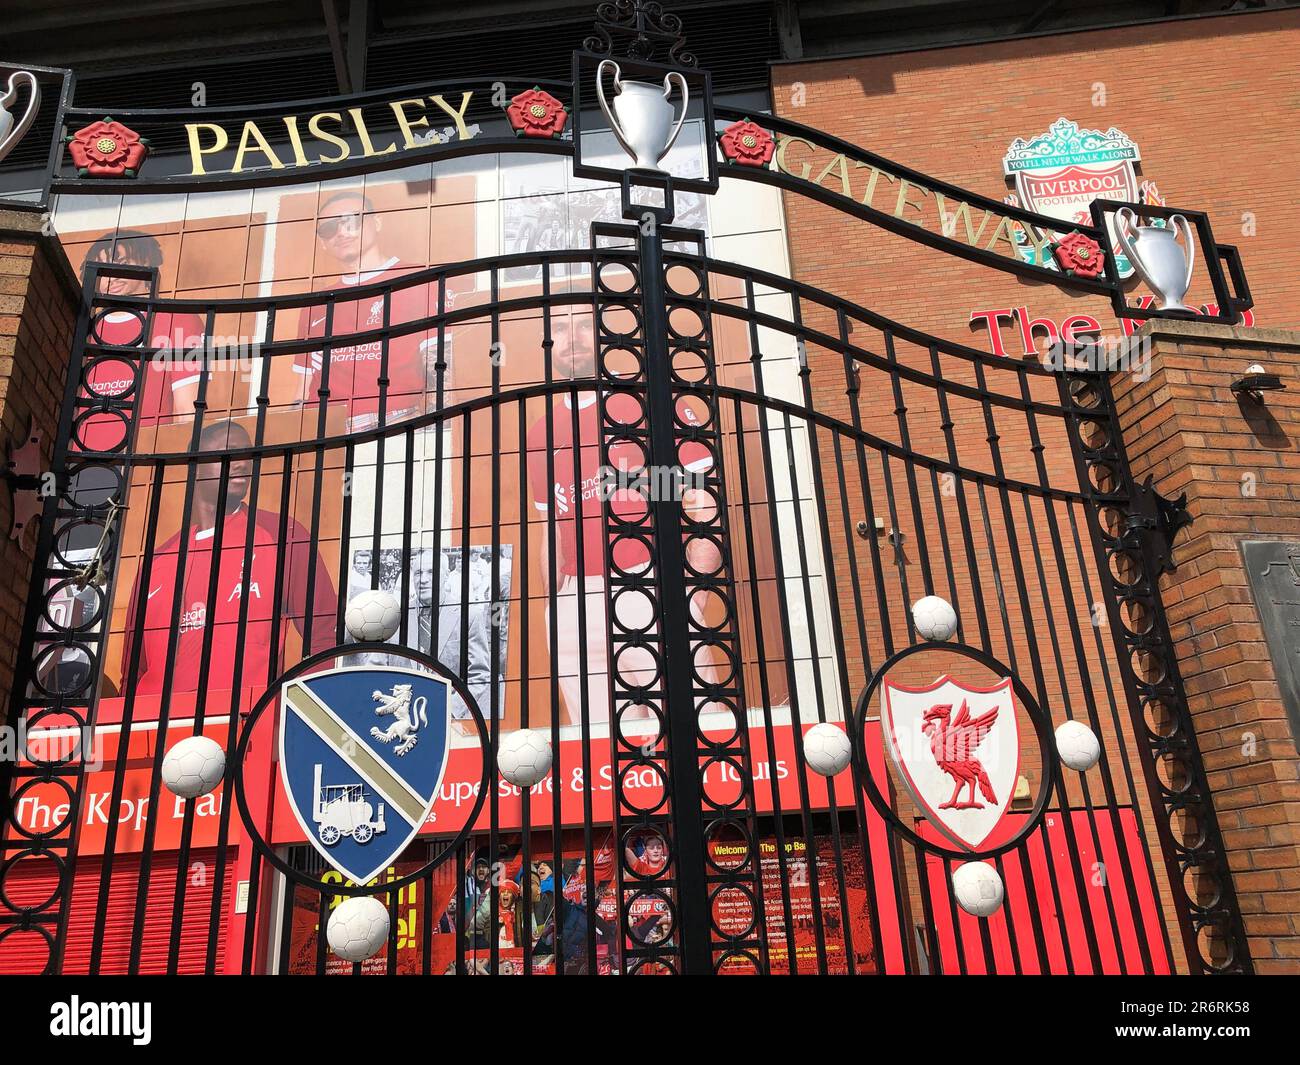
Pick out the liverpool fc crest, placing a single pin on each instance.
(1062, 170)
(957, 749)
(361, 791)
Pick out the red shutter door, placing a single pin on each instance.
(26, 953)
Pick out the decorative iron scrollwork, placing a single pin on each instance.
(644, 28)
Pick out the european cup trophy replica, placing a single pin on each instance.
(642, 115)
(11, 133)
(1160, 262)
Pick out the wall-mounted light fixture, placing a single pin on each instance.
(1256, 381)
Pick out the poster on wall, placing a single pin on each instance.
(453, 612)
(526, 907)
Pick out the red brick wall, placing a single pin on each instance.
(38, 302)
(1236, 462)
(1211, 103)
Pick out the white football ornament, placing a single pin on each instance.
(193, 766)
(934, 618)
(373, 616)
(1078, 746)
(978, 888)
(827, 749)
(524, 757)
(357, 928)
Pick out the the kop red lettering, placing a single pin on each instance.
(1038, 334)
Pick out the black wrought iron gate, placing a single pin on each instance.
(708, 516)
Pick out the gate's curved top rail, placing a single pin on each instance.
(927, 185)
(794, 324)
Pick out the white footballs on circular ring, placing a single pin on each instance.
(977, 888)
(357, 928)
(1078, 746)
(934, 618)
(827, 749)
(193, 766)
(373, 616)
(524, 757)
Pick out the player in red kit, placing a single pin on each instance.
(274, 541)
(557, 485)
(171, 375)
(350, 233)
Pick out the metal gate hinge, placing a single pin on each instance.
(1156, 521)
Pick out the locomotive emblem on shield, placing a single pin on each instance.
(362, 754)
(957, 749)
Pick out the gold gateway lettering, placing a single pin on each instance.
(319, 138)
(903, 198)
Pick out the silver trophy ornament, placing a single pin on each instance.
(642, 116)
(11, 133)
(1159, 261)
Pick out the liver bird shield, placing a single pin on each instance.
(957, 749)
(362, 754)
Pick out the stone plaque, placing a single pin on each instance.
(1273, 567)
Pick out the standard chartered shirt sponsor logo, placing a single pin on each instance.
(193, 619)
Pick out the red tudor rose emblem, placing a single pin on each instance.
(1079, 255)
(536, 113)
(747, 144)
(107, 149)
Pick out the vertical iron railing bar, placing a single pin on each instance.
(819, 695)
(127, 721)
(406, 555)
(1125, 762)
(232, 727)
(1009, 921)
(494, 651)
(263, 401)
(1062, 791)
(205, 659)
(318, 483)
(723, 584)
(947, 425)
(860, 808)
(1040, 680)
(1000, 586)
(322, 922)
(275, 656)
(164, 707)
(426, 913)
(851, 387)
(787, 650)
(552, 635)
(905, 439)
(760, 652)
(390, 958)
(251, 917)
(380, 444)
(465, 873)
(462, 670)
(520, 588)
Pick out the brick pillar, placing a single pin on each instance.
(39, 295)
(1239, 463)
